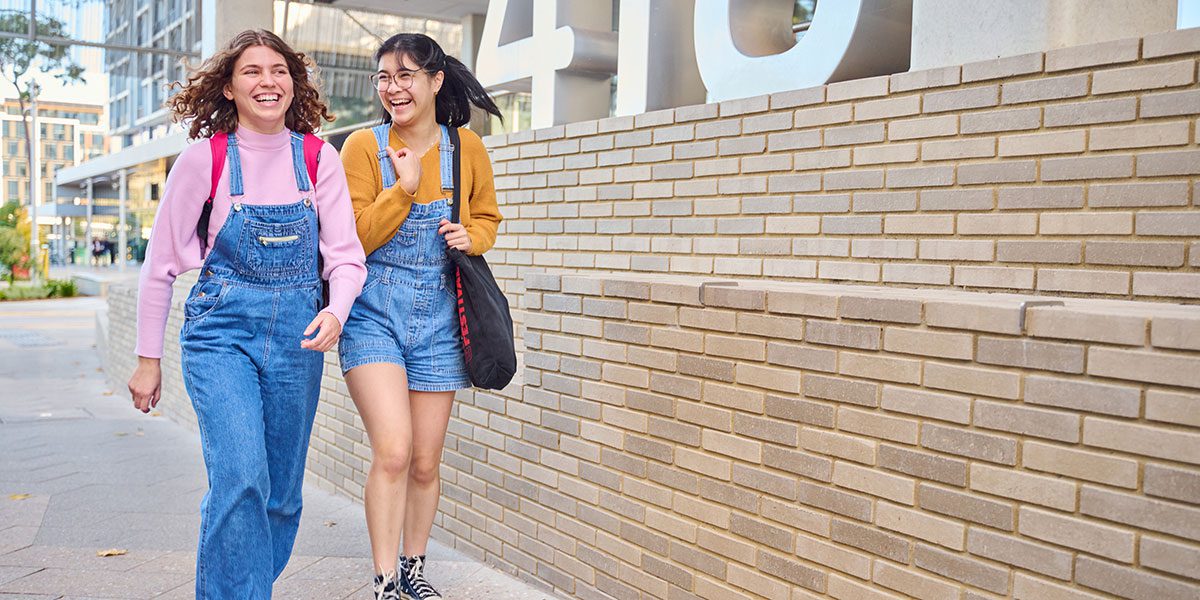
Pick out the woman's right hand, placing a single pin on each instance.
(408, 169)
(146, 384)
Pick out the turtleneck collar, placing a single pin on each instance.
(263, 141)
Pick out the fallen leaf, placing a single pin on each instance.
(112, 552)
(330, 523)
(108, 393)
(140, 433)
(156, 413)
(18, 496)
(121, 434)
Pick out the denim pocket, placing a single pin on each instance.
(275, 249)
(203, 299)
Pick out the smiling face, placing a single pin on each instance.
(261, 88)
(415, 104)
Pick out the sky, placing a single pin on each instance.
(86, 22)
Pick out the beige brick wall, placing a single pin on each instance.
(1070, 173)
(780, 434)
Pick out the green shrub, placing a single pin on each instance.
(61, 288)
(24, 292)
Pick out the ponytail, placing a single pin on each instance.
(460, 90)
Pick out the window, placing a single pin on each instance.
(69, 153)
(14, 190)
(13, 148)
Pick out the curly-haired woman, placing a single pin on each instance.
(254, 326)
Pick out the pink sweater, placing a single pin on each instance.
(174, 247)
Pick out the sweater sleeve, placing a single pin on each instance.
(376, 213)
(485, 214)
(345, 264)
(174, 247)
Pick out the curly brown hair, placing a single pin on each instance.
(201, 101)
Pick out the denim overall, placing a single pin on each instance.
(407, 312)
(252, 385)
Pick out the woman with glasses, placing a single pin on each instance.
(401, 350)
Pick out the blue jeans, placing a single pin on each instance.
(406, 314)
(255, 392)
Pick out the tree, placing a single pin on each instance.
(39, 51)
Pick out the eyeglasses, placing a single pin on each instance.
(402, 79)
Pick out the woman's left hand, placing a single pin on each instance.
(456, 235)
(328, 329)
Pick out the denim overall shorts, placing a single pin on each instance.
(406, 314)
(253, 387)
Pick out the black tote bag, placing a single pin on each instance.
(483, 316)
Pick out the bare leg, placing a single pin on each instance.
(380, 391)
(430, 417)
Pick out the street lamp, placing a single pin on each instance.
(35, 179)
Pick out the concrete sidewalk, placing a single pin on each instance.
(82, 472)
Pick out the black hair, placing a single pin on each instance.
(459, 90)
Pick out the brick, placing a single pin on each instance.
(908, 129)
(870, 540)
(1002, 121)
(1170, 43)
(921, 177)
(885, 154)
(1085, 282)
(1071, 532)
(1048, 88)
(884, 249)
(917, 274)
(998, 172)
(1170, 104)
(1144, 254)
(1089, 167)
(1172, 483)
(1175, 133)
(917, 524)
(1175, 162)
(1009, 66)
(1028, 421)
(1137, 194)
(885, 201)
(945, 407)
(1059, 196)
(969, 507)
(1144, 78)
(851, 180)
(1065, 358)
(827, 115)
(1058, 142)
(1090, 466)
(923, 465)
(928, 343)
(1091, 112)
(1092, 55)
(926, 78)
(914, 584)
(840, 389)
(1087, 396)
(962, 99)
(875, 483)
(973, 316)
(1024, 487)
(1182, 285)
(982, 446)
(1028, 588)
(822, 159)
(838, 445)
(958, 250)
(1140, 512)
(880, 367)
(802, 357)
(1171, 407)
(962, 569)
(833, 556)
(1179, 333)
(1019, 553)
(828, 498)
(1055, 322)
(1144, 366)
(1130, 583)
(854, 134)
(998, 224)
(957, 200)
(919, 224)
(789, 99)
(958, 149)
(1170, 557)
(857, 88)
(888, 108)
(877, 425)
(1142, 439)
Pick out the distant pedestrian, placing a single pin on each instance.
(255, 324)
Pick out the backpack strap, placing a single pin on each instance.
(455, 169)
(312, 156)
(446, 150)
(217, 147)
(385, 164)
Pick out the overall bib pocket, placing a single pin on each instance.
(275, 249)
